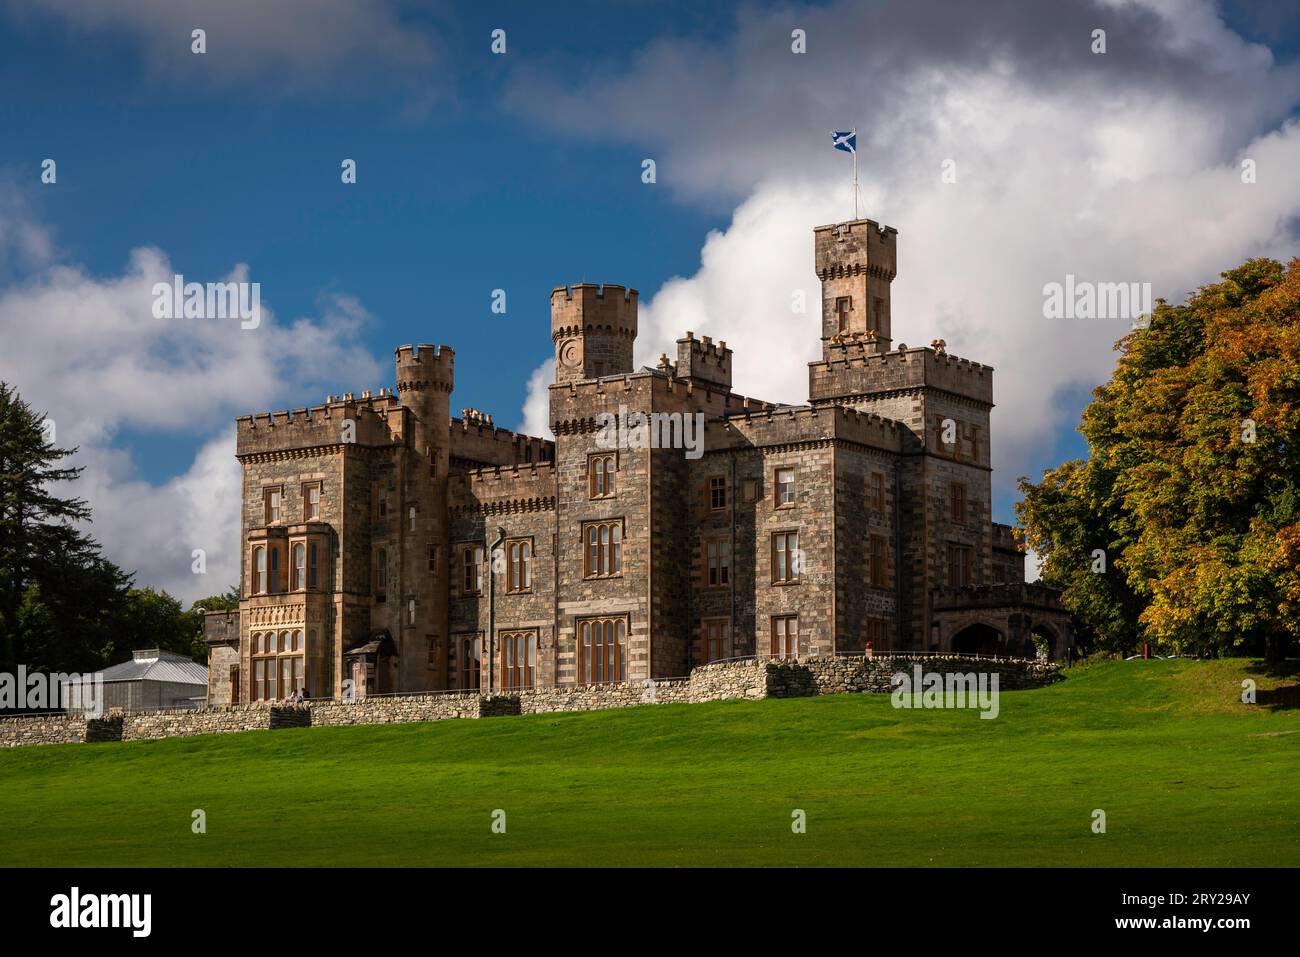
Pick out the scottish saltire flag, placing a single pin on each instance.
(847, 141)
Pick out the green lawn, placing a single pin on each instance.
(1186, 774)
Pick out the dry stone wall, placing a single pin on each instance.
(749, 679)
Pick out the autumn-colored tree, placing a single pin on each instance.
(1191, 489)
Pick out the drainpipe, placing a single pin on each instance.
(492, 605)
(731, 572)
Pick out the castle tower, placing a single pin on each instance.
(594, 330)
(856, 262)
(425, 377)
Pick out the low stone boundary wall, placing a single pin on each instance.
(401, 709)
(184, 723)
(58, 729)
(749, 679)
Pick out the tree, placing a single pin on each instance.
(1191, 483)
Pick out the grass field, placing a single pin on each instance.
(1186, 774)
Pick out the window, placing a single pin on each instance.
(715, 640)
(259, 570)
(273, 578)
(313, 565)
(471, 650)
(957, 501)
(433, 559)
(785, 557)
(877, 492)
(842, 307)
(383, 501)
(879, 563)
(299, 567)
(750, 487)
(602, 651)
(471, 580)
(381, 575)
(959, 566)
(784, 487)
(785, 636)
(717, 556)
(519, 565)
(717, 493)
(410, 611)
(410, 518)
(879, 315)
(277, 665)
(311, 502)
(273, 499)
(518, 659)
(604, 551)
(600, 475)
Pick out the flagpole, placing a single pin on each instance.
(855, 182)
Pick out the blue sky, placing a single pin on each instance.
(522, 171)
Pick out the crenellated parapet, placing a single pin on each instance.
(425, 367)
(502, 489)
(476, 442)
(575, 405)
(853, 370)
(801, 425)
(703, 361)
(367, 423)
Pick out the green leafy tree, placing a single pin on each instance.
(1191, 483)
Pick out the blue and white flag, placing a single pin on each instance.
(846, 141)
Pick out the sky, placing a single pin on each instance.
(1006, 150)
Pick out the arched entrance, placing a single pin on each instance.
(1047, 637)
(978, 639)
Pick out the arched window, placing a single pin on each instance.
(259, 570)
(602, 651)
(299, 567)
(273, 579)
(297, 641)
(381, 575)
(313, 566)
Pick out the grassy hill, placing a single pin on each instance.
(1186, 774)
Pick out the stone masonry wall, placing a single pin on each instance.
(750, 679)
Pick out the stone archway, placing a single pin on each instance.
(1047, 633)
(979, 638)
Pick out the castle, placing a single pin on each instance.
(388, 546)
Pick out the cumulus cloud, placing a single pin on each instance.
(88, 352)
(1114, 168)
(293, 44)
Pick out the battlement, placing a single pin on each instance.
(797, 424)
(479, 441)
(337, 422)
(858, 246)
(703, 360)
(574, 404)
(425, 366)
(853, 369)
(504, 488)
(587, 307)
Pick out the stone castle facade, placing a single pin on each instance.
(389, 546)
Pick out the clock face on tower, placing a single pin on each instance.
(569, 352)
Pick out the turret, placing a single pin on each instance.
(425, 376)
(704, 362)
(856, 262)
(594, 330)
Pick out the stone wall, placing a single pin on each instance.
(749, 679)
(148, 725)
(58, 729)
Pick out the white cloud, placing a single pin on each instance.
(1124, 168)
(87, 352)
